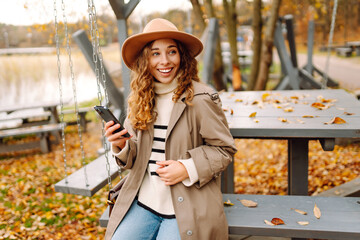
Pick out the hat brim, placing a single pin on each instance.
(134, 44)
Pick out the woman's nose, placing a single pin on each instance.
(164, 59)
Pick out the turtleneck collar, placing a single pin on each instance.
(164, 88)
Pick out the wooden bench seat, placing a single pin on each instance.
(97, 178)
(340, 216)
(42, 131)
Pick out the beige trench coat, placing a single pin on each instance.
(201, 132)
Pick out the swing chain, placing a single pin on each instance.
(60, 92)
(332, 26)
(94, 32)
(72, 75)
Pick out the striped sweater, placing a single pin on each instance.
(154, 195)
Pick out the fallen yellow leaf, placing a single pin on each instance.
(317, 212)
(264, 96)
(299, 211)
(228, 203)
(269, 223)
(248, 203)
(252, 114)
(288, 109)
(283, 119)
(303, 223)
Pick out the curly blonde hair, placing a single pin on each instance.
(141, 100)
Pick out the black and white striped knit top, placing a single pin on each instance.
(154, 195)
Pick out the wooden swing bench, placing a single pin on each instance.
(98, 177)
(340, 216)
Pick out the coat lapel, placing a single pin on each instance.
(178, 109)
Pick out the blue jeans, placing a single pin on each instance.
(140, 223)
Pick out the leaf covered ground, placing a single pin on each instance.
(31, 209)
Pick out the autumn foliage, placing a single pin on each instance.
(31, 209)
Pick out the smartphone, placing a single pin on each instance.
(107, 115)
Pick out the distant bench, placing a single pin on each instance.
(82, 116)
(340, 216)
(42, 131)
(344, 51)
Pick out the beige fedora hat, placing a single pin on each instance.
(158, 29)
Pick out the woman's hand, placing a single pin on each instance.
(171, 172)
(116, 139)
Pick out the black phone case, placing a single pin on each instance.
(107, 115)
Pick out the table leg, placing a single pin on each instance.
(298, 163)
(227, 179)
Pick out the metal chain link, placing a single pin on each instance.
(98, 56)
(60, 92)
(332, 26)
(68, 49)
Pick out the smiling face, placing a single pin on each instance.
(164, 62)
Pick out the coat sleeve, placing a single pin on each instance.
(218, 147)
(126, 159)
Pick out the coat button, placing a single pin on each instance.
(180, 199)
(189, 232)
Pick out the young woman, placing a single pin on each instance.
(180, 143)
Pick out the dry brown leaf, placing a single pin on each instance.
(289, 109)
(248, 203)
(328, 100)
(336, 120)
(283, 119)
(228, 203)
(238, 100)
(303, 223)
(255, 102)
(349, 114)
(294, 97)
(318, 105)
(317, 212)
(277, 221)
(231, 111)
(252, 114)
(256, 120)
(269, 223)
(300, 121)
(308, 116)
(299, 211)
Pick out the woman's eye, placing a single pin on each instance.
(173, 52)
(155, 54)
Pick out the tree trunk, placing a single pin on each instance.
(230, 20)
(218, 74)
(218, 71)
(198, 14)
(256, 26)
(267, 48)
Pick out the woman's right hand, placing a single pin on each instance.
(116, 139)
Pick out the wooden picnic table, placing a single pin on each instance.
(48, 106)
(354, 45)
(288, 114)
